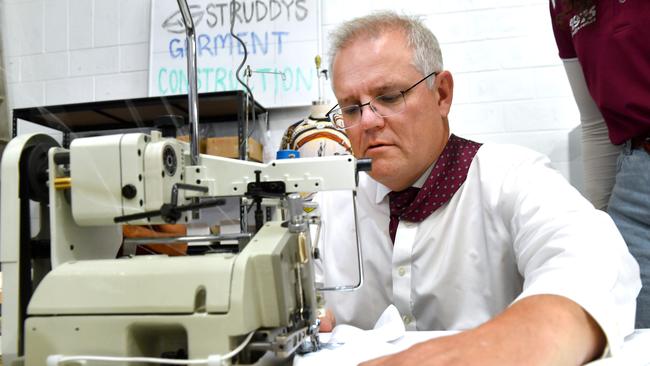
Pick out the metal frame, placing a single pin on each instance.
(231, 101)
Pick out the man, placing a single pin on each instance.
(493, 242)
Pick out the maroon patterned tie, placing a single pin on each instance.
(398, 202)
(447, 175)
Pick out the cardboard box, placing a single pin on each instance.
(186, 138)
(229, 147)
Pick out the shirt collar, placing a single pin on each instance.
(383, 191)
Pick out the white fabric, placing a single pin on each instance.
(348, 345)
(389, 327)
(633, 353)
(515, 228)
(598, 153)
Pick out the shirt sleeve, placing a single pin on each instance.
(564, 246)
(561, 30)
(598, 153)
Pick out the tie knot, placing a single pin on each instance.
(400, 201)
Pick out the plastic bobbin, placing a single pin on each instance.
(287, 154)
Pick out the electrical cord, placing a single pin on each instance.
(241, 65)
(212, 360)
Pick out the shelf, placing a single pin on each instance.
(134, 113)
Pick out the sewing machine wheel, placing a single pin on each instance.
(170, 161)
(34, 169)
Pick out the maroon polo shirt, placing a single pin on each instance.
(612, 42)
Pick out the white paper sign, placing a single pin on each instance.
(281, 37)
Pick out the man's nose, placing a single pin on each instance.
(369, 119)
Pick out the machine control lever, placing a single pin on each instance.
(168, 211)
(363, 165)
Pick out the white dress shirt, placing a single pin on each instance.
(515, 228)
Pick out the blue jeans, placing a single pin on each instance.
(629, 207)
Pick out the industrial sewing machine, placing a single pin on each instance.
(90, 303)
(70, 301)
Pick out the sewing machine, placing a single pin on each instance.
(69, 300)
(77, 298)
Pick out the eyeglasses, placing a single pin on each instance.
(384, 105)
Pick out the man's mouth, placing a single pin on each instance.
(377, 147)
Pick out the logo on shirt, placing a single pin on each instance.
(582, 19)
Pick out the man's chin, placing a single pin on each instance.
(381, 172)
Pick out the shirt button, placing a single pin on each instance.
(407, 319)
(401, 271)
(409, 224)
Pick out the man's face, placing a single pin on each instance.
(404, 145)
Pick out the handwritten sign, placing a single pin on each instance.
(281, 37)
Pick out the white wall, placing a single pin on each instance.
(510, 85)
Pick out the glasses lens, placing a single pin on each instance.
(338, 120)
(346, 117)
(388, 104)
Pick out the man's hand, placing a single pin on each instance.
(538, 330)
(327, 321)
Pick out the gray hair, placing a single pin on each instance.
(427, 56)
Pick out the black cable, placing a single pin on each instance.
(241, 65)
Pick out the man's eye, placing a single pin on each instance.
(389, 98)
(348, 111)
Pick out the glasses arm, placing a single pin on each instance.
(418, 83)
(331, 110)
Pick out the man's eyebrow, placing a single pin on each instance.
(375, 91)
(348, 101)
(390, 87)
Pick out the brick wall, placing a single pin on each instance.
(69, 51)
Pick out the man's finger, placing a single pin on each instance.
(327, 321)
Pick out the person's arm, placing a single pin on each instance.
(579, 280)
(537, 330)
(598, 153)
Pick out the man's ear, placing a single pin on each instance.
(445, 92)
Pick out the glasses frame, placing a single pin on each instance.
(369, 103)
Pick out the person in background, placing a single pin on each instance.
(605, 48)
(459, 235)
